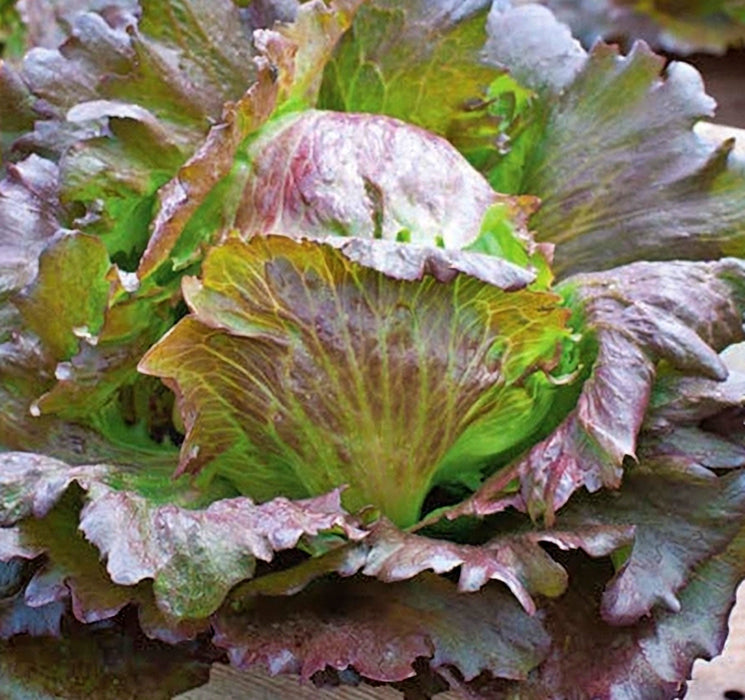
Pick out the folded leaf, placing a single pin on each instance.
(340, 174)
(634, 317)
(517, 559)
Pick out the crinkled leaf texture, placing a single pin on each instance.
(401, 356)
(380, 629)
(289, 370)
(193, 551)
(28, 219)
(133, 90)
(517, 559)
(620, 180)
(639, 619)
(692, 27)
(669, 599)
(633, 317)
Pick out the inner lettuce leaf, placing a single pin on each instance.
(635, 318)
(290, 368)
(619, 180)
(353, 175)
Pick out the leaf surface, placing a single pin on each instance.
(289, 369)
(381, 629)
(635, 316)
(618, 181)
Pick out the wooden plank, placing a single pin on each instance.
(725, 673)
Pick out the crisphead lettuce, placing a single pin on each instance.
(286, 377)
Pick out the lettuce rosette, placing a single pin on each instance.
(365, 341)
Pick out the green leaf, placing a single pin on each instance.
(633, 318)
(74, 267)
(289, 372)
(397, 59)
(422, 62)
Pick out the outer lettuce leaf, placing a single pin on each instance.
(71, 575)
(193, 552)
(635, 316)
(288, 372)
(651, 659)
(17, 569)
(16, 116)
(28, 219)
(688, 27)
(677, 585)
(127, 99)
(619, 180)
(46, 23)
(517, 558)
(381, 629)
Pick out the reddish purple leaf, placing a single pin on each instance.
(381, 629)
(637, 315)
